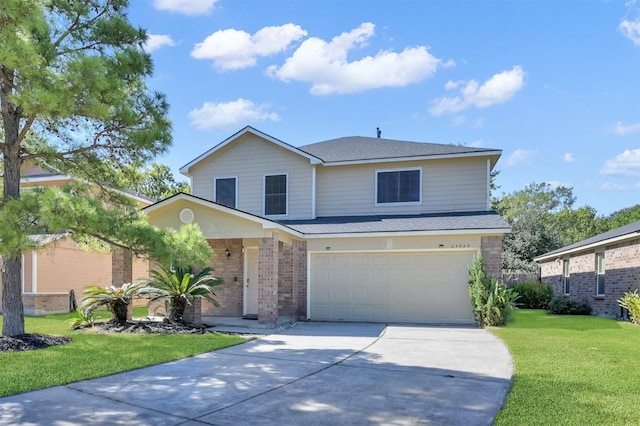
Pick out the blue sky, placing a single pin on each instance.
(554, 84)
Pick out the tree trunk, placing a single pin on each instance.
(178, 305)
(12, 308)
(119, 311)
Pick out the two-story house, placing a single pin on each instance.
(350, 229)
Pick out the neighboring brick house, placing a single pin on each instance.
(598, 270)
(61, 265)
(350, 229)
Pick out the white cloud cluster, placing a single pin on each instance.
(521, 156)
(235, 49)
(156, 41)
(186, 7)
(608, 186)
(326, 66)
(569, 157)
(625, 164)
(229, 115)
(630, 25)
(497, 90)
(624, 129)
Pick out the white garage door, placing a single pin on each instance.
(424, 287)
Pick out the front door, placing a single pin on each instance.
(251, 282)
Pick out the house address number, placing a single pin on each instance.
(460, 245)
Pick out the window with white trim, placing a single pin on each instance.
(398, 186)
(567, 277)
(275, 195)
(226, 191)
(600, 271)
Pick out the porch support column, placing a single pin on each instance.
(491, 248)
(300, 278)
(122, 271)
(268, 280)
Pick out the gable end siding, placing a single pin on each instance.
(250, 158)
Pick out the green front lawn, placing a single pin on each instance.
(93, 355)
(571, 370)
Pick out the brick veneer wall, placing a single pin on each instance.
(491, 248)
(231, 270)
(285, 280)
(268, 267)
(45, 303)
(122, 272)
(622, 274)
(299, 272)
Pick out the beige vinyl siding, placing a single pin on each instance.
(448, 185)
(250, 158)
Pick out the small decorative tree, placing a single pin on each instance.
(117, 299)
(179, 288)
(631, 302)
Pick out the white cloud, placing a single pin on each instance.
(497, 90)
(477, 144)
(624, 129)
(326, 65)
(521, 156)
(186, 7)
(569, 157)
(235, 49)
(156, 41)
(229, 115)
(630, 25)
(625, 164)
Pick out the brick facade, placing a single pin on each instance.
(268, 273)
(231, 270)
(45, 303)
(622, 274)
(491, 248)
(122, 273)
(299, 273)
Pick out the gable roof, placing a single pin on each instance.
(186, 169)
(631, 230)
(357, 150)
(360, 149)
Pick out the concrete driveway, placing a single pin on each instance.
(313, 373)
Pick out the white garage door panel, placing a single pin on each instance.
(391, 287)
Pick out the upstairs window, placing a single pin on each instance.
(398, 186)
(275, 195)
(225, 191)
(600, 274)
(567, 277)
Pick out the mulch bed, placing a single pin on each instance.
(29, 342)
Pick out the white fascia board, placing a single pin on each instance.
(588, 247)
(416, 158)
(266, 223)
(498, 231)
(185, 169)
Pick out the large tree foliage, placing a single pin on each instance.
(156, 181)
(542, 218)
(73, 96)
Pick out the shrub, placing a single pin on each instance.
(492, 302)
(179, 288)
(83, 318)
(533, 295)
(117, 299)
(562, 305)
(631, 302)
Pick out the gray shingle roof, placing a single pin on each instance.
(400, 223)
(359, 148)
(600, 238)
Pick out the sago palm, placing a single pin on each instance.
(180, 288)
(117, 299)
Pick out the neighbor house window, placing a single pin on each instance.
(600, 274)
(275, 195)
(226, 191)
(398, 186)
(567, 277)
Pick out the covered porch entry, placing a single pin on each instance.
(262, 263)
